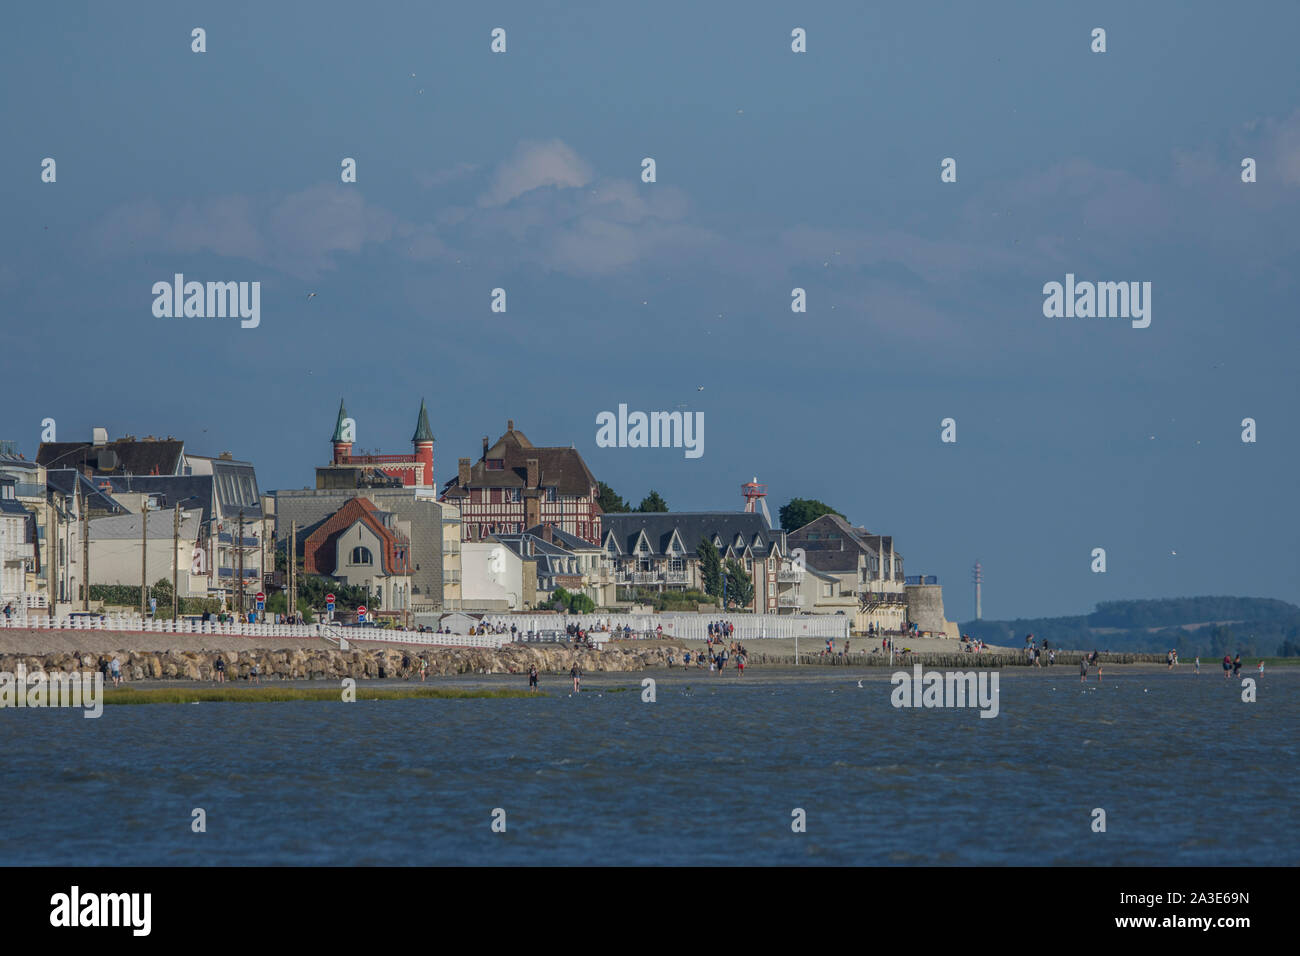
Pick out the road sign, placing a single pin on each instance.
(260, 597)
(329, 599)
(361, 613)
(261, 605)
(330, 607)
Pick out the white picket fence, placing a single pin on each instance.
(684, 626)
(123, 622)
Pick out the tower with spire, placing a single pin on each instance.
(342, 437)
(423, 442)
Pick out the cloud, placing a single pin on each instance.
(534, 165)
(442, 177)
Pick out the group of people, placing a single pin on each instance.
(717, 652)
(1036, 653)
(412, 666)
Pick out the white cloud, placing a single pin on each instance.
(534, 165)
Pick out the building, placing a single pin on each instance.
(116, 545)
(17, 546)
(363, 546)
(865, 565)
(659, 551)
(562, 560)
(349, 471)
(515, 485)
(123, 456)
(494, 577)
(433, 528)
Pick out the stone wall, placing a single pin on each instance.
(297, 663)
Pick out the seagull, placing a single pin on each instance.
(859, 682)
(700, 389)
(1173, 552)
(310, 294)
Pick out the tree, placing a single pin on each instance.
(710, 568)
(609, 500)
(800, 511)
(580, 603)
(740, 586)
(652, 503)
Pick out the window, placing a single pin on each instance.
(362, 556)
(552, 495)
(496, 464)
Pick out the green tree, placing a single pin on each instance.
(799, 511)
(740, 586)
(710, 568)
(652, 503)
(609, 500)
(580, 603)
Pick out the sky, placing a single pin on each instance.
(775, 170)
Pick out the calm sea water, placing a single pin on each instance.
(708, 774)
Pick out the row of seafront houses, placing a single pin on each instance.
(502, 535)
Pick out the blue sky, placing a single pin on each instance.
(775, 170)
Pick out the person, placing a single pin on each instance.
(1051, 656)
(221, 670)
(1196, 665)
(1227, 666)
(9, 611)
(1083, 670)
(740, 665)
(1261, 668)
(1236, 665)
(255, 675)
(577, 678)
(116, 667)
(406, 665)
(532, 677)
(686, 659)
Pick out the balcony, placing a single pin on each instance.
(789, 577)
(646, 577)
(789, 599)
(676, 577)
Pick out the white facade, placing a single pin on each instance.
(115, 547)
(492, 577)
(359, 561)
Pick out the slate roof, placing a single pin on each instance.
(151, 456)
(565, 540)
(561, 468)
(338, 424)
(170, 489)
(69, 481)
(624, 529)
(127, 527)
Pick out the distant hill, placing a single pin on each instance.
(1209, 626)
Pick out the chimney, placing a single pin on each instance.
(547, 534)
(510, 424)
(532, 473)
(532, 511)
(462, 467)
(485, 446)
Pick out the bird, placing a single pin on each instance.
(1173, 552)
(310, 294)
(700, 389)
(859, 682)
(419, 91)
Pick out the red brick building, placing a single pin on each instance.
(516, 485)
(360, 471)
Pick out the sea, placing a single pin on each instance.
(778, 767)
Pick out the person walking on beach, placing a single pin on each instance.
(1083, 670)
(1196, 666)
(577, 678)
(424, 668)
(740, 665)
(1236, 665)
(532, 677)
(221, 670)
(116, 667)
(1227, 666)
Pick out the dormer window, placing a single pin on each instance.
(496, 464)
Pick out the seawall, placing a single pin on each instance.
(326, 663)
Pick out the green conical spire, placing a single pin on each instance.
(338, 425)
(422, 430)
